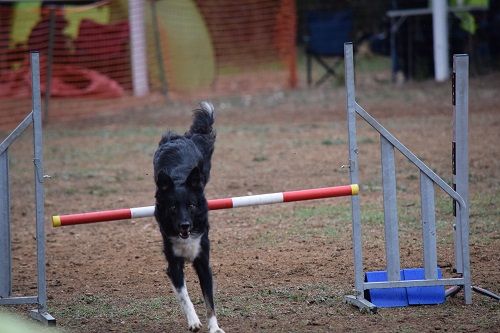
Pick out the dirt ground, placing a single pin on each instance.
(278, 268)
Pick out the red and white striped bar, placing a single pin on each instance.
(215, 204)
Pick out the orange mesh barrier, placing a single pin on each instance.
(252, 34)
(89, 57)
(207, 48)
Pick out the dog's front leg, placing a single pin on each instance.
(202, 267)
(176, 274)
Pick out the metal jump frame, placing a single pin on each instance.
(427, 181)
(35, 118)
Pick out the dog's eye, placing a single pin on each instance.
(192, 206)
(172, 209)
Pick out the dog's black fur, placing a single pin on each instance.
(182, 169)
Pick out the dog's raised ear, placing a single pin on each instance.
(195, 178)
(164, 182)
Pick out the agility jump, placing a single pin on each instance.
(215, 204)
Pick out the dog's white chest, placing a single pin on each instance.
(186, 248)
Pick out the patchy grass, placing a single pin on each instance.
(334, 142)
(103, 307)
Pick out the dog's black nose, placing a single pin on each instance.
(185, 226)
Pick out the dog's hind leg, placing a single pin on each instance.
(176, 275)
(202, 267)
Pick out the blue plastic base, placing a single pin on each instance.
(399, 297)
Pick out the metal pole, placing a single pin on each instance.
(358, 299)
(5, 245)
(460, 137)
(353, 168)
(390, 210)
(459, 159)
(41, 312)
(428, 215)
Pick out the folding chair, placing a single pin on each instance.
(326, 34)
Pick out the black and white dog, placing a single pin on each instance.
(181, 169)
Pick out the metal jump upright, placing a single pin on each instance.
(35, 118)
(428, 179)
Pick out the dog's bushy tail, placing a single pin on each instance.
(203, 119)
(203, 134)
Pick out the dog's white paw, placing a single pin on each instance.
(195, 327)
(217, 330)
(213, 326)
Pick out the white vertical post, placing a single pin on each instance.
(138, 47)
(440, 34)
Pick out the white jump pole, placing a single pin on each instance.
(226, 203)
